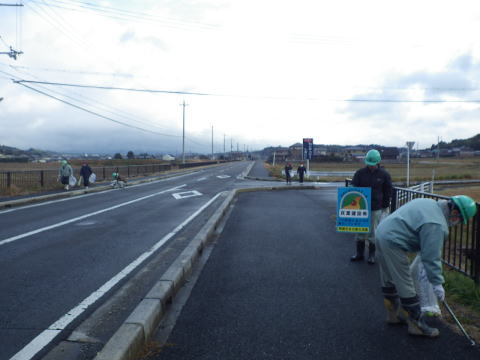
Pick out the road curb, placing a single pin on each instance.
(170, 282)
(127, 341)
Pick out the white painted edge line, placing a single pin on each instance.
(33, 232)
(98, 192)
(46, 336)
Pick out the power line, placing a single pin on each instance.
(96, 104)
(94, 113)
(127, 15)
(244, 96)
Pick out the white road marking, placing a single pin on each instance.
(201, 179)
(223, 176)
(46, 336)
(33, 232)
(96, 193)
(186, 194)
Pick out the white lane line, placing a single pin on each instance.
(33, 232)
(96, 193)
(46, 336)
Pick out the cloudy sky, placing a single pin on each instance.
(260, 72)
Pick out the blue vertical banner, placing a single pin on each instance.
(307, 148)
(354, 209)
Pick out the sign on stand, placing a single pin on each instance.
(354, 209)
(307, 148)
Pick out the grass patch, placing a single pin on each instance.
(462, 289)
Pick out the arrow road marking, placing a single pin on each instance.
(186, 194)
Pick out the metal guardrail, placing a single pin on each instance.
(47, 179)
(461, 250)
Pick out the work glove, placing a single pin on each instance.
(439, 292)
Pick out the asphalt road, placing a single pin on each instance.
(61, 259)
(279, 285)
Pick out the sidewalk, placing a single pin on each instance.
(279, 285)
(258, 172)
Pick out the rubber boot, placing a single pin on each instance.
(417, 325)
(371, 254)
(391, 301)
(360, 250)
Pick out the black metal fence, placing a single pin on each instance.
(47, 179)
(461, 250)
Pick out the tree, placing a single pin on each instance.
(117, 156)
(130, 155)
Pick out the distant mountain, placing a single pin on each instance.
(8, 151)
(473, 143)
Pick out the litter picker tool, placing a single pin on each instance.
(472, 342)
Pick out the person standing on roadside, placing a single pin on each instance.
(64, 174)
(419, 226)
(380, 183)
(85, 173)
(288, 175)
(301, 171)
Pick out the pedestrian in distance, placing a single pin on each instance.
(420, 226)
(85, 173)
(301, 171)
(118, 181)
(288, 175)
(64, 174)
(380, 183)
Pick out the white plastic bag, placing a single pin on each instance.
(92, 178)
(423, 287)
(72, 181)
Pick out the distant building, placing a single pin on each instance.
(168, 157)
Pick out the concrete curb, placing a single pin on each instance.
(140, 325)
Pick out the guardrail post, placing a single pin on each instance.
(128, 170)
(104, 173)
(42, 178)
(476, 247)
(393, 203)
(9, 179)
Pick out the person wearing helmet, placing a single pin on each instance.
(380, 182)
(419, 226)
(64, 173)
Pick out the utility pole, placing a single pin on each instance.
(183, 137)
(223, 146)
(12, 53)
(409, 148)
(212, 142)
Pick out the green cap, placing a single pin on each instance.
(466, 205)
(373, 157)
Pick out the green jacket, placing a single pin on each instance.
(65, 170)
(419, 226)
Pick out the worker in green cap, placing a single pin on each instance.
(419, 226)
(379, 181)
(64, 173)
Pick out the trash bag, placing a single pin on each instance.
(424, 289)
(92, 178)
(72, 181)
